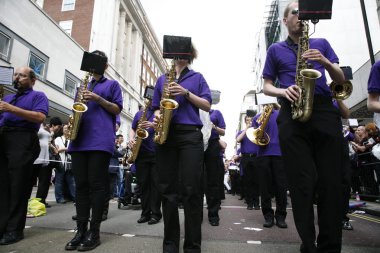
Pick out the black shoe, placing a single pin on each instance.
(257, 207)
(143, 219)
(11, 237)
(104, 217)
(241, 198)
(79, 236)
(61, 201)
(214, 223)
(153, 221)
(91, 239)
(281, 223)
(269, 222)
(249, 207)
(74, 217)
(346, 225)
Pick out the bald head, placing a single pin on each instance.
(24, 78)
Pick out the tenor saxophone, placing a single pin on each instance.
(141, 134)
(79, 107)
(302, 108)
(167, 105)
(258, 135)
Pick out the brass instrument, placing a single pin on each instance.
(141, 134)
(79, 107)
(167, 105)
(258, 135)
(341, 91)
(302, 108)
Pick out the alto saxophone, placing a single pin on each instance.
(258, 135)
(167, 105)
(302, 108)
(141, 134)
(79, 107)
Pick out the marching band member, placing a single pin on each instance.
(312, 150)
(250, 182)
(373, 102)
(146, 169)
(91, 153)
(271, 173)
(213, 168)
(21, 115)
(181, 156)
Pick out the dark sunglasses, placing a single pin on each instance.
(295, 11)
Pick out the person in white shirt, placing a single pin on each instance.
(63, 174)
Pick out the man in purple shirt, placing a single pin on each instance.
(91, 153)
(214, 168)
(271, 173)
(146, 168)
(180, 158)
(250, 182)
(21, 115)
(312, 150)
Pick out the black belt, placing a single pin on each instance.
(248, 155)
(181, 127)
(17, 129)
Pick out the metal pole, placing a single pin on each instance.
(368, 35)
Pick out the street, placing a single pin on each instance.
(240, 231)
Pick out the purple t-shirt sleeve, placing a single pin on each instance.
(135, 120)
(204, 90)
(270, 70)
(254, 121)
(41, 103)
(116, 96)
(158, 92)
(374, 79)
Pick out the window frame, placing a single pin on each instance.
(66, 22)
(63, 6)
(39, 76)
(8, 53)
(75, 80)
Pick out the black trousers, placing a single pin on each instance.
(43, 174)
(346, 184)
(213, 185)
(312, 154)
(90, 170)
(181, 157)
(18, 151)
(272, 183)
(251, 180)
(147, 178)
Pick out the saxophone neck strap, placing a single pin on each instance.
(293, 46)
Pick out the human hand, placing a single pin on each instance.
(292, 93)
(314, 55)
(176, 89)
(88, 95)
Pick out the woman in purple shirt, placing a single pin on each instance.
(180, 158)
(373, 102)
(311, 151)
(91, 153)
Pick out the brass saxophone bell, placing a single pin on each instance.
(341, 91)
(257, 136)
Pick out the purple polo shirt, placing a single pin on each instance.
(273, 147)
(374, 79)
(187, 113)
(217, 119)
(281, 63)
(30, 100)
(118, 119)
(247, 146)
(97, 128)
(147, 144)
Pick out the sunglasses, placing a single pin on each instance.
(295, 11)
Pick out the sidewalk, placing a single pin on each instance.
(372, 208)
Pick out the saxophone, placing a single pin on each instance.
(78, 108)
(302, 108)
(258, 135)
(141, 134)
(167, 105)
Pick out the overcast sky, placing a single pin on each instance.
(224, 33)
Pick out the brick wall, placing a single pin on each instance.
(81, 16)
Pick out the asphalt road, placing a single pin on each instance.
(240, 231)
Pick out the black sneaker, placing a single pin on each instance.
(346, 225)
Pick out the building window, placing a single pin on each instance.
(67, 26)
(68, 5)
(37, 64)
(5, 42)
(71, 83)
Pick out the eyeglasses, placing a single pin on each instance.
(295, 11)
(20, 75)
